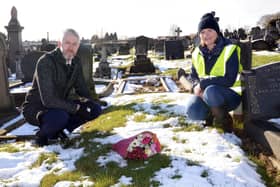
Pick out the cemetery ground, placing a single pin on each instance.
(191, 155)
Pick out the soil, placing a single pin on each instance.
(262, 155)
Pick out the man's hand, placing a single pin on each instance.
(84, 111)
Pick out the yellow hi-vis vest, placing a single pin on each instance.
(219, 68)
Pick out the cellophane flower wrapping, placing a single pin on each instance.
(138, 147)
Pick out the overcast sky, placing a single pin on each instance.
(128, 17)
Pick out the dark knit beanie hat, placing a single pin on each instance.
(208, 21)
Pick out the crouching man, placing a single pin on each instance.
(47, 104)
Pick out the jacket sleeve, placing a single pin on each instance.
(44, 76)
(229, 78)
(81, 87)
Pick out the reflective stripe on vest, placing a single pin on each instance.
(219, 68)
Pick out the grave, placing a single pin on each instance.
(15, 50)
(142, 63)
(174, 49)
(103, 70)
(124, 49)
(7, 107)
(85, 53)
(159, 46)
(261, 90)
(28, 65)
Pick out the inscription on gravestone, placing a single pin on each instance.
(262, 92)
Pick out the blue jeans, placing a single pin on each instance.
(213, 96)
(56, 120)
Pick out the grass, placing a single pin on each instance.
(140, 171)
(48, 158)
(258, 60)
(8, 148)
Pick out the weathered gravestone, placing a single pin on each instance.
(124, 49)
(103, 70)
(15, 50)
(159, 46)
(6, 102)
(142, 64)
(261, 102)
(85, 53)
(174, 49)
(28, 65)
(260, 44)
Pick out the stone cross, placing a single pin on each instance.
(178, 30)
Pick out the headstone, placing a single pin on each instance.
(85, 54)
(103, 70)
(261, 90)
(142, 64)
(174, 49)
(260, 45)
(141, 45)
(178, 31)
(14, 40)
(124, 49)
(28, 65)
(159, 46)
(245, 53)
(6, 102)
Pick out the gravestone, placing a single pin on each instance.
(159, 46)
(142, 64)
(103, 70)
(85, 54)
(261, 102)
(15, 50)
(28, 65)
(124, 49)
(174, 49)
(178, 31)
(141, 45)
(245, 53)
(260, 45)
(6, 102)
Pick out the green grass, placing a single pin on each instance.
(114, 116)
(140, 171)
(48, 158)
(8, 148)
(258, 60)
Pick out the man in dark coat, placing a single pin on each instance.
(48, 103)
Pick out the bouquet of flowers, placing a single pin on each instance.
(138, 147)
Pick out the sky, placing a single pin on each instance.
(129, 18)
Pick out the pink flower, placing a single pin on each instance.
(146, 140)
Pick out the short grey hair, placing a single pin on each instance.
(71, 31)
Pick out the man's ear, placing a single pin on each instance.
(59, 44)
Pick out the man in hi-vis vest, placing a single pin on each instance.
(214, 75)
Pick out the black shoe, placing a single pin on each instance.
(41, 140)
(62, 135)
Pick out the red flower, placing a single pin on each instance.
(146, 140)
